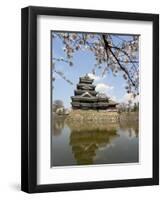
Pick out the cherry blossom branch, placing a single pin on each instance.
(108, 47)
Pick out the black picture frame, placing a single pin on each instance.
(29, 99)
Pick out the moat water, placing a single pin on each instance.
(87, 143)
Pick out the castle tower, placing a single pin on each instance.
(86, 97)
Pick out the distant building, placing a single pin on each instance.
(86, 97)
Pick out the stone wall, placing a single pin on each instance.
(91, 115)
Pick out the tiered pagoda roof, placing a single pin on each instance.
(86, 97)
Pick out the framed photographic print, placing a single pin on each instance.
(90, 99)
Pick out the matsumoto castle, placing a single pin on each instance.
(85, 97)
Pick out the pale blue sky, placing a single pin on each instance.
(83, 63)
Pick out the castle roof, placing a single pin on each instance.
(86, 79)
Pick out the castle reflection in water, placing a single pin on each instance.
(87, 143)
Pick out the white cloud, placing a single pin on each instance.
(114, 98)
(95, 77)
(103, 88)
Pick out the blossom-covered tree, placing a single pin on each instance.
(113, 53)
